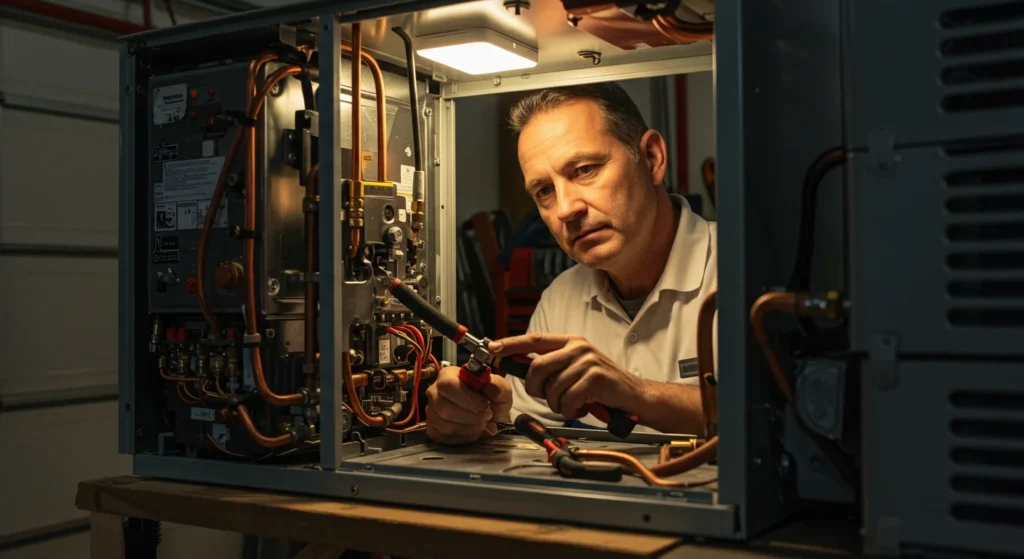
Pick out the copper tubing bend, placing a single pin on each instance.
(683, 31)
(267, 442)
(353, 398)
(382, 129)
(796, 304)
(638, 467)
(249, 249)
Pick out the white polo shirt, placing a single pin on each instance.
(660, 344)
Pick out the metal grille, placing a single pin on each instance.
(984, 206)
(988, 456)
(984, 57)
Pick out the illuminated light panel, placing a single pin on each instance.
(477, 51)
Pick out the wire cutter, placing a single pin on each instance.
(560, 453)
(476, 372)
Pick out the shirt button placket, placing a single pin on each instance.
(633, 337)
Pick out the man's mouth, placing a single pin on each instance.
(583, 236)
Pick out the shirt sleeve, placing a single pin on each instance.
(523, 402)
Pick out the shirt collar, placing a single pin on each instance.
(687, 261)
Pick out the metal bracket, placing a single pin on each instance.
(883, 349)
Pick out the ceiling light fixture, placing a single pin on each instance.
(476, 51)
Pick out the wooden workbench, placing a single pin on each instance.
(331, 526)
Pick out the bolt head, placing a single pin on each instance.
(273, 286)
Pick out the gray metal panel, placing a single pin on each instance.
(913, 278)
(536, 503)
(777, 74)
(897, 60)
(332, 331)
(941, 469)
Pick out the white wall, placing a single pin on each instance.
(58, 277)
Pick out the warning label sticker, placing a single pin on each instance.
(165, 248)
(169, 103)
(189, 180)
(183, 216)
(165, 217)
(405, 187)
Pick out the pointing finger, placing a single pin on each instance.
(529, 343)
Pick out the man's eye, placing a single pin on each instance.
(585, 170)
(542, 192)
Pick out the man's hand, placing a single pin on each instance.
(570, 373)
(458, 415)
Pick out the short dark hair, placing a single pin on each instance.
(622, 117)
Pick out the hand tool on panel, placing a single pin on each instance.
(560, 453)
(476, 372)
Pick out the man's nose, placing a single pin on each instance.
(570, 205)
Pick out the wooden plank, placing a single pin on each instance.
(106, 538)
(403, 532)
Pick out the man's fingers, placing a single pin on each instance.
(546, 366)
(560, 383)
(450, 412)
(447, 432)
(575, 399)
(529, 343)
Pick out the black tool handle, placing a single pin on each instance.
(427, 313)
(560, 457)
(620, 423)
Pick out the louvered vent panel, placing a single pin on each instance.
(984, 205)
(984, 69)
(987, 480)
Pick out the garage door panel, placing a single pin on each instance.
(58, 181)
(60, 323)
(47, 452)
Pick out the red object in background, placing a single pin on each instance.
(191, 285)
(71, 15)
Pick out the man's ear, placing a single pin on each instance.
(655, 154)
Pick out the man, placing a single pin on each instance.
(620, 327)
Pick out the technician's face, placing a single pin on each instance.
(596, 200)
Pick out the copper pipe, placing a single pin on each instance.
(249, 248)
(635, 465)
(796, 304)
(664, 453)
(706, 362)
(267, 442)
(360, 380)
(180, 380)
(311, 288)
(353, 398)
(382, 129)
(683, 31)
(704, 454)
(241, 136)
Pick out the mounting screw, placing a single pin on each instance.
(355, 490)
(591, 55)
(437, 300)
(428, 112)
(127, 90)
(291, 136)
(273, 286)
(497, 81)
(233, 179)
(437, 163)
(271, 334)
(291, 158)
